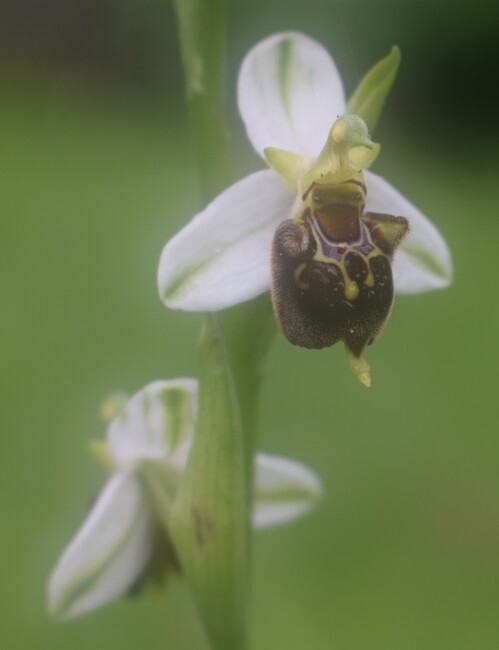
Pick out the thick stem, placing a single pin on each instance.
(249, 330)
(219, 480)
(211, 520)
(202, 33)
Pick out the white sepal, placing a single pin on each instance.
(289, 94)
(222, 257)
(108, 554)
(156, 424)
(284, 490)
(423, 261)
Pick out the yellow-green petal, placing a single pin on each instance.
(370, 95)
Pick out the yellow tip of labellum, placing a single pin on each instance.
(361, 369)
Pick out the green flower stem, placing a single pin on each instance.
(202, 35)
(209, 523)
(211, 517)
(249, 330)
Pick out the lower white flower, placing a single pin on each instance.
(113, 547)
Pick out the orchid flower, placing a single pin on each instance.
(154, 431)
(289, 95)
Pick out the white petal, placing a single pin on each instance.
(156, 424)
(222, 257)
(284, 490)
(423, 261)
(108, 554)
(289, 94)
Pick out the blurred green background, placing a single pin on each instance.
(97, 173)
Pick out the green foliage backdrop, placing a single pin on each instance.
(96, 175)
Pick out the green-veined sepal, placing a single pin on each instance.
(289, 93)
(107, 555)
(157, 423)
(423, 261)
(284, 490)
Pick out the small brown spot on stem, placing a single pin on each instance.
(203, 526)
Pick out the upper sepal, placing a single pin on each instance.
(289, 93)
(157, 423)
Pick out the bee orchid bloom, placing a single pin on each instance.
(289, 96)
(112, 550)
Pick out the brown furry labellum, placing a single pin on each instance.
(331, 269)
